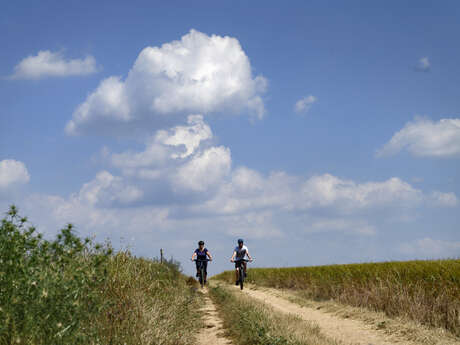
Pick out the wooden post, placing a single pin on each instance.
(161, 255)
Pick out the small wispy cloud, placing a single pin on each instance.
(423, 65)
(52, 64)
(343, 225)
(426, 138)
(431, 248)
(303, 105)
(13, 172)
(444, 199)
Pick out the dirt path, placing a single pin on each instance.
(346, 331)
(213, 332)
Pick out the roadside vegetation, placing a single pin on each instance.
(73, 291)
(251, 322)
(424, 291)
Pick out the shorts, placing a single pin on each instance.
(205, 265)
(238, 263)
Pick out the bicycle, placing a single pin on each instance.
(201, 271)
(241, 272)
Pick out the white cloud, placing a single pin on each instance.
(106, 189)
(189, 136)
(109, 101)
(53, 64)
(342, 225)
(248, 190)
(246, 181)
(431, 248)
(179, 158)
(257, 225)
(303, 105)
(165, 151)
(183, 172)
(329, 190)
(198, 74)
(444, 199)
(423, 64)
(180, 180)
(423, 137)
(204, 170)
(103, 218)
(154, 155)
(13, 172)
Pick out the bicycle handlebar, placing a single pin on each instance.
(201, 260)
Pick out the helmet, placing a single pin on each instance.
(200, 243)
(240, 240)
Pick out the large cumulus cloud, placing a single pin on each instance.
(199, 73)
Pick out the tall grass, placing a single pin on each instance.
(424, 291)
(74, 291)
(147, 303)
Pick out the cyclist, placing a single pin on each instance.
(239, 253)
(201, 253)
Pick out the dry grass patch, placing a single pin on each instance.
(398, 327)
(149, 303)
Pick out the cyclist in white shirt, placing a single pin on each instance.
(239, 253)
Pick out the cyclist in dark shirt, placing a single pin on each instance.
(201, 253)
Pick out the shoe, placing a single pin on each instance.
(236, 283)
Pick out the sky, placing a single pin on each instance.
(320, 132)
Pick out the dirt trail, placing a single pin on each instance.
(346, 331)
(213, 331)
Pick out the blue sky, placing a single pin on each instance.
(166, 123)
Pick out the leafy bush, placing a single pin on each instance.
(48, 289)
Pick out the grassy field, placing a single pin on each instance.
(425, 291)
(73, 291)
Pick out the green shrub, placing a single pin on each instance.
(48, 289)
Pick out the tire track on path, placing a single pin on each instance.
(213, 331)
(346, 331)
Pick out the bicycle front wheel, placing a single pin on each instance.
(202, 277)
